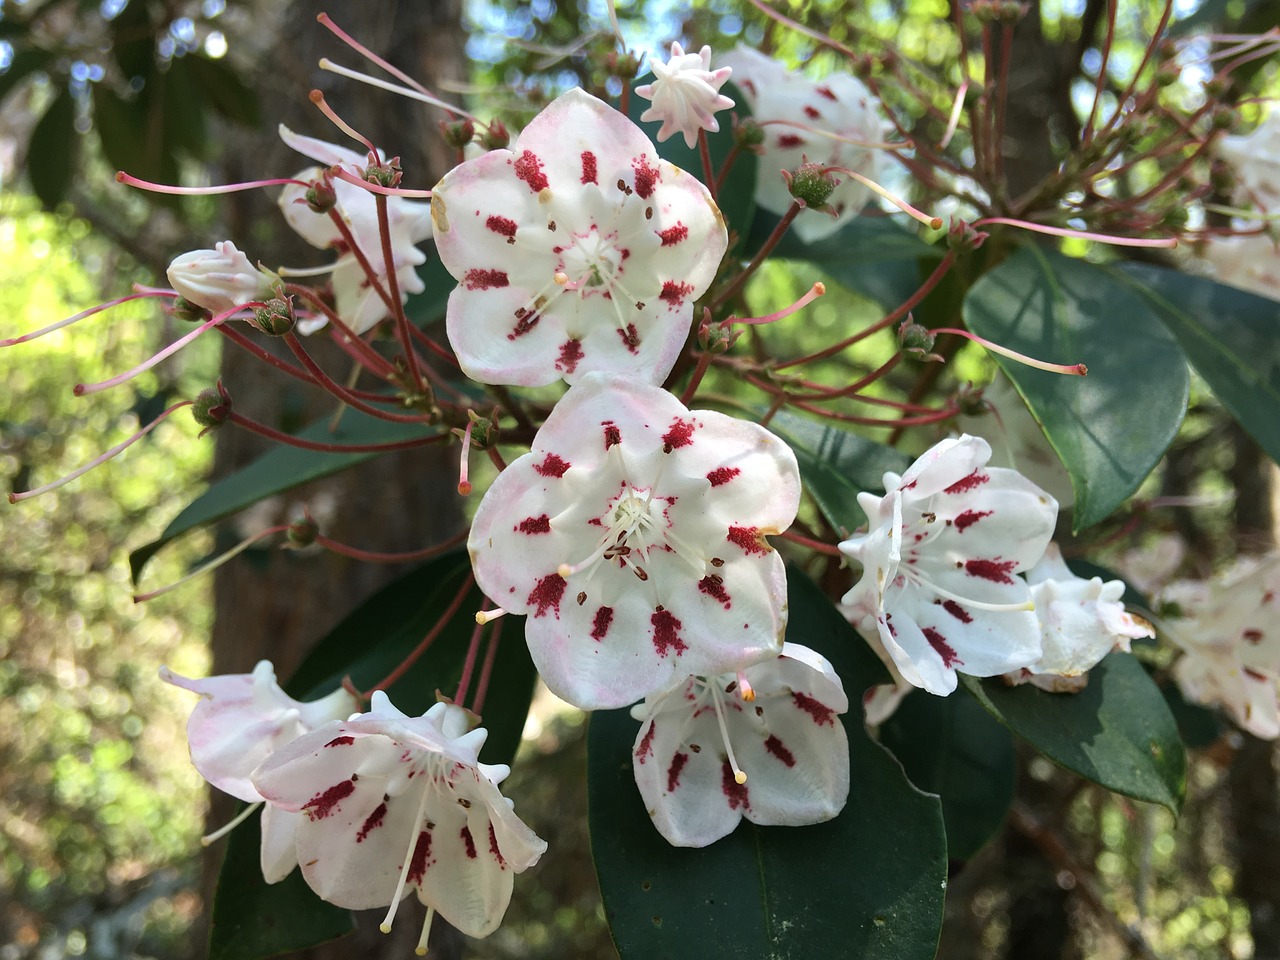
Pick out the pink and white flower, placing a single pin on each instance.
(390, 804)
(827, 122)
(239, 722)
(1249, 262)
(1081, 621)
(356, 301)
(577, 249)
(685, 94)
(633, 536)
(220, 279)
(1255, 157)
(712, 750)
(939, 566)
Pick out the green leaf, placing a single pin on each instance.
(1229, 336)
(836, 466)
(131, 140)
(736, 197)
(51, 151)
(184, 110)
(252, 919)
(952, 747)
(279, 469)
(872, 255)
(868, 884)
(1117, 732)
(224, 90)
(1110, 428)
(429, 306)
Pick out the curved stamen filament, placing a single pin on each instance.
(414, 836)
(912, 574)
(739, 776)
(66, 322)
(226, 828)
(421, 948)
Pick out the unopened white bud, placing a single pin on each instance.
(219, 279)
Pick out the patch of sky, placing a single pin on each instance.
(184, 31)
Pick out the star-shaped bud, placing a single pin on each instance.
(828, 122)
(765, 744)
(239, 722)
(633, 536)
(1255, 157)
(939, 577)
(355, 299)
(220, 279)
(390, 804)
(1081, 621)
(685, 94)
(577, 249)
(1231, 644)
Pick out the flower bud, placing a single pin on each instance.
(496, 136)
(749, 135)
(220, 279)
(302, 533)
(457, 133)
(384, 174)
(717, 337)
(963, 237)
(321, 197)
(917, 341)
(211, 409)
(276, 318)
(970, 402)
(811, 184)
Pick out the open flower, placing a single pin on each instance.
(712, 750)
(220, 279)
(577, 249)
(826, 122)
(685, 94)
(356, 300)
(240, 721)
(390, 803)
(633, 535)
(1081, 622)
(939, 563)
(1255, 157)
(1250, 263)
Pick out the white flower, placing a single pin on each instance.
(633, 535)
(1251, 262)
(840, 105)
(711, 751)
(239, 722)
(939, 580)
(880, 702)
(685, 94)
(409, 222)
(1256, 160)
(577, 249)
(389, 803)
(220, 279)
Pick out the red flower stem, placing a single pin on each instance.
(708, 171)
(341, 392)
(823, 548)
(936, 417)
(729, 160)
(240, 340)
(799, 27)
(741, 279)
(1152, 46)
(262, 430)
(496, 457)
(486, 668)
(473, 651)
(888, 320)
(397, 308)
(427, 341)
(512, 406)
(827, 395)
(352, 345)
(374, 556)
(429, 639)
(349, 241)
(700, 371)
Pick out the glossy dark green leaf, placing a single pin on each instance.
(1111, 427)
(836, 466)
(52, 150)
(279, 469)
(428, 307)
(868, 884)
(184, 110)
(133, 136)
(1117, 732)
(736, 197)
(253, 919)
(952, 747)
(225, 90)
(1230, 338)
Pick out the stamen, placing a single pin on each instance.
(385, 926)
(933, 223)
(222, 831)
(103, 458)
(1162, 242)
(816, 291)
(421, 948)
(210, 191)
(976, 604)
(421, 97)
(317, 98)
(954, 120)
(485, 616)
(1070, 369)
(308, 271)
(745, 690)
(142, 294)
(738, 775)
(213, 564)
(464, 484)
(343, 174)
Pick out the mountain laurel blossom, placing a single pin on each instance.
(356, 300)
(633, 536)
(686, 94)
(1249, 263)
(939, 563)
(797, 113)
(1081, 621)
(241, 720)
(577, 249)
(1255, 157)
(220, 279)
(390, 804)
(712, 750)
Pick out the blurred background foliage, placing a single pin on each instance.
(100, 814)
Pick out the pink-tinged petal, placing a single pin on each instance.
(330, 154)
(279, 853)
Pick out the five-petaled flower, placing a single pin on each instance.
(712, 750)
(356, 300)
(390, 803)
(578, 249)
(239, 722)
(939, 581)
(685, 94)
(633, 535)
(830, 122)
